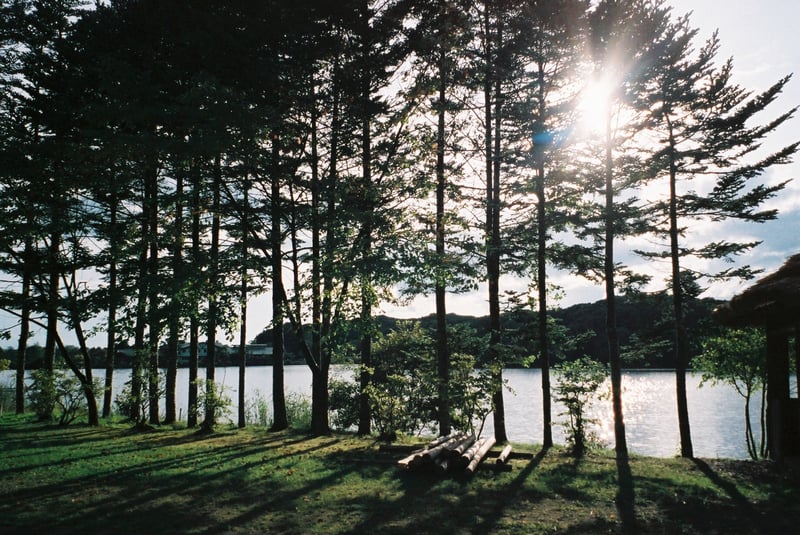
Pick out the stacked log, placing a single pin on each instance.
(480, 454)
(503, 457)
(447, 454)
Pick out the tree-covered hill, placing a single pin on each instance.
(644, 326)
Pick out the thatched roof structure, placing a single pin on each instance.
(775, 297)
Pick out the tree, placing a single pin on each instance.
(552, 35)
(578, 382)
(704, 131)
(441, 31)
(739, 358)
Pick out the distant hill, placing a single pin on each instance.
(644, 325)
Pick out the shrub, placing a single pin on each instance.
(213, 398)
(42, 393)
(7, 398)
(344, 402)
(137, 407)
(578, 383)
(59, 393)
(257, 410)
(298, 411)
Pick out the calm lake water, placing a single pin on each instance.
(716, 412)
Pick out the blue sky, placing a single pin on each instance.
(762, 38)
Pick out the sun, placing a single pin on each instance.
(594, 105)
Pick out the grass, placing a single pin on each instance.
(113, 480)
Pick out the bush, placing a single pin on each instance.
(298, 411)
(578, 383)
(213, 398)
(59, 393)
(257, 410)
(344, 402)
(8, 400)
(137, 407)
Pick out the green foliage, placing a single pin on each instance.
(576, 387)
(42, 394)
(7, 398)
(136, 405)
(58, 394)
(344, 402)
(212, 396)
(402, 393)
(257, 410)
(298, 411)
(739, 358)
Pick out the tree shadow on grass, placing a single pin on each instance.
(730, 489)
(626, 495)
(493, 515)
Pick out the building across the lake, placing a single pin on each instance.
(256, 354)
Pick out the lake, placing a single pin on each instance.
(716, 413)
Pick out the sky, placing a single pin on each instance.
(761, 36)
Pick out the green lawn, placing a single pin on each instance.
(113, 480)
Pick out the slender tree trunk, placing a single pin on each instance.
(364, 413)
(621, 446)
(194, 318)
(763, 421)
(24, 326)
(681, 339)
(113, 296)
(51, 308)
(212, 394)
(541, 269)
(86, 379)
(174, 320)
(153, 302)
(748, 429)
(280, 418)
(493, 95)
(442, 347)
(544, 336)
(243, 306)
(138, 364)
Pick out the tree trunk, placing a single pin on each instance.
(212, 394)
(51, 307)
(24, 326)
(681, 338)
(541, 273)
(242, 416)
(137, 366)
(86, 379)
(153, 301)
(279, 417)
(174, 320)
(621, 446)
(364, 413)
(111, 324)
(442, 348)
(493, 235)
(194, 319)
